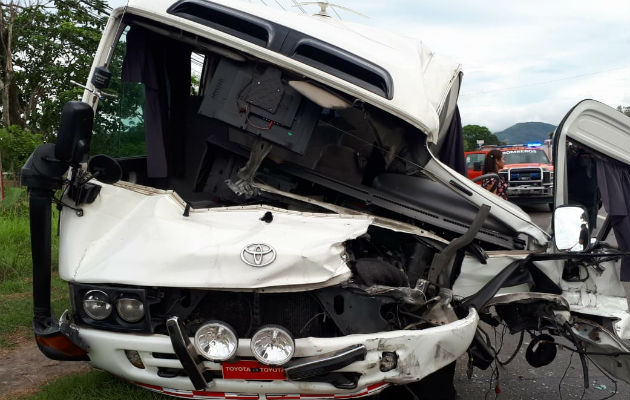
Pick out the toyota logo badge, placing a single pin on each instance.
(258, 255)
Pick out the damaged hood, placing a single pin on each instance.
(141, 237)
(421, 79)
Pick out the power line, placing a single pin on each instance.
(298, 5)
(336, 13)
(278, 3)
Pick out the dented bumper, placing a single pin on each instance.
(419, 353)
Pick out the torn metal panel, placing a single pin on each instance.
(155, 245)
(529, 297)
(600, 294)
(597, 339)
(382, 222)
(474, 275)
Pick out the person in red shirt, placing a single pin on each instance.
(493, 163)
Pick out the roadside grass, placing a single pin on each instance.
(16, 311)
(16, 300)
(93, 385)
(14, 235)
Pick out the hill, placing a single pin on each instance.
(525, 132)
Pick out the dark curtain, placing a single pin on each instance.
(452, 147)
(614, 185)
(163, 66)
(582, 178)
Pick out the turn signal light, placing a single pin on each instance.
(59, 345)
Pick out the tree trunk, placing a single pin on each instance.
(11, 110)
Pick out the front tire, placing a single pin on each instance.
(436, 386)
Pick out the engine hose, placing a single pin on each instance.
(518, 347)
(581, 353)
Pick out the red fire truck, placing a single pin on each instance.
(528, 172)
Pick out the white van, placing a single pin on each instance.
(268, 213)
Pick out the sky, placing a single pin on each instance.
(523, 60)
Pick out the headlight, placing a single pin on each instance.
(129, 309)
(272, 345)
(96, 305)
(216, 341)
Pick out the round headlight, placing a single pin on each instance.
(216, 341)
(272, 345)
(131, 310)
(96, 305)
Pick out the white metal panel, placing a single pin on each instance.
(143, 239)
(596, 125)
(420, 352)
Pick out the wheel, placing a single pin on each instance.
(436, 386)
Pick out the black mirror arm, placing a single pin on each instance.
(486, 293)
(603, 231)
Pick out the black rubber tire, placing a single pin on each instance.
(437, 386)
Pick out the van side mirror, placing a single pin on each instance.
(571, 230)
(105, 169)
(75, 133)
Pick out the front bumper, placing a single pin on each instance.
(420, 352)
(529, 195)
(531, 191)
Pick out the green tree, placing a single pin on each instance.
(472, 133)
(44, 45)
(625, 110)
(16, 144)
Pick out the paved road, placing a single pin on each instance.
(519, 380)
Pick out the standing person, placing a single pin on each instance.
(583, 236)
(493, 163)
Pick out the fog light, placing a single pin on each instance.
(389, 361)
(134, 358)
(96, 305)
(272, 345)
(131, 310)
(216, 341)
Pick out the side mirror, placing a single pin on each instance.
(477, 166)
(75, 133)
(571, 230)
(105, 169)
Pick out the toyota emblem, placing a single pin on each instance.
(258, 255)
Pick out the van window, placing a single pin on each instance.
(197, 62)
(119, 122)
(475, 158)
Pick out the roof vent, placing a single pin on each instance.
(236, 23)
(344, 65)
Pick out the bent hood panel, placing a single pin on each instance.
(127, 237)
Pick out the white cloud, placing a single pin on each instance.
(522, 60)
